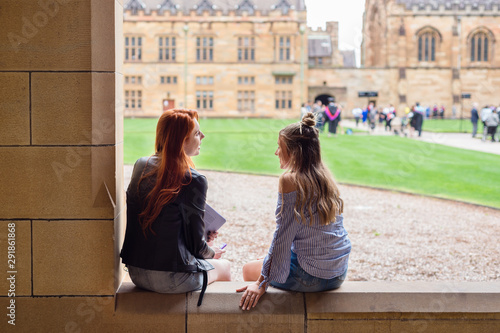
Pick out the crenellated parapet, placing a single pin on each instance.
(446, 6)
(146, 10)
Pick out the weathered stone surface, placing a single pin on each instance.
(73, 108)
(58, 182)
(277, 311)
(14, 109)
(73, 257)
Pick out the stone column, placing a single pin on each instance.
(61, 148)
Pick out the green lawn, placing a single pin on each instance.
(381, 161)
(449, 125)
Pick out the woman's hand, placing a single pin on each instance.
(252, 294)
(212, 235)
(218, 252)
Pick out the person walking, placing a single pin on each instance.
(357, 113)
(332, 112)
(492, 124)
(390, 115)
(418, 119)
(371, 114)
(319, 114)
(485, 113)
(474, 117)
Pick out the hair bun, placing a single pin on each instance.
(309, 119)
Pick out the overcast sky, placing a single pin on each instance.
(349, 14)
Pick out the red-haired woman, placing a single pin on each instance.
(165, 249)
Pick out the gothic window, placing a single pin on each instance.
(480, 45)
(166, 48)
(284, 48)
(133, 48)
(283, 99)
(133, 100)
(246, 49)
(427, 44)
(204, 49)
(246, 100)
(204, 99)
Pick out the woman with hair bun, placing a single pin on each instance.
(310, 247)
(165, 248)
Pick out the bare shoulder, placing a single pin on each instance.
(287, 183)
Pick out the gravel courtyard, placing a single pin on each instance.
(395, 236)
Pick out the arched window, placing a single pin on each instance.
(480, 45)
(427, 44)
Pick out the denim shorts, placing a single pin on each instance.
(300, 280)
(165, 282)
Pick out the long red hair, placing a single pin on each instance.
(174, 127)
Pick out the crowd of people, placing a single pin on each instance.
(488, 117)
(329, 117)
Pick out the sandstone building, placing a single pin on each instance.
(257, 58)
(433, 51)
(423, 51)
(226, 58)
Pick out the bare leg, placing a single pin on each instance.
(222, 271)
(252, 269)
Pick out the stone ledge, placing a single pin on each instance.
(474, 305)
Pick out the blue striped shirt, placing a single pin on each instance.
(322, 250)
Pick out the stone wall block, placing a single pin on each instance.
(73, 108)
(277, 311)
(61, 314)
(58, 182)
(358, 326)
(21, 260)
(46, 35)
(14, 108)
(103, 34)
(73, 257)
(141, 310)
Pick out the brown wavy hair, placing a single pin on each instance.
(174, 127)
(314, 182)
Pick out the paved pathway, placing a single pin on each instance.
(458, 140)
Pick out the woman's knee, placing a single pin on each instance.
(251, 270)
(221, 271)
(225, 270)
